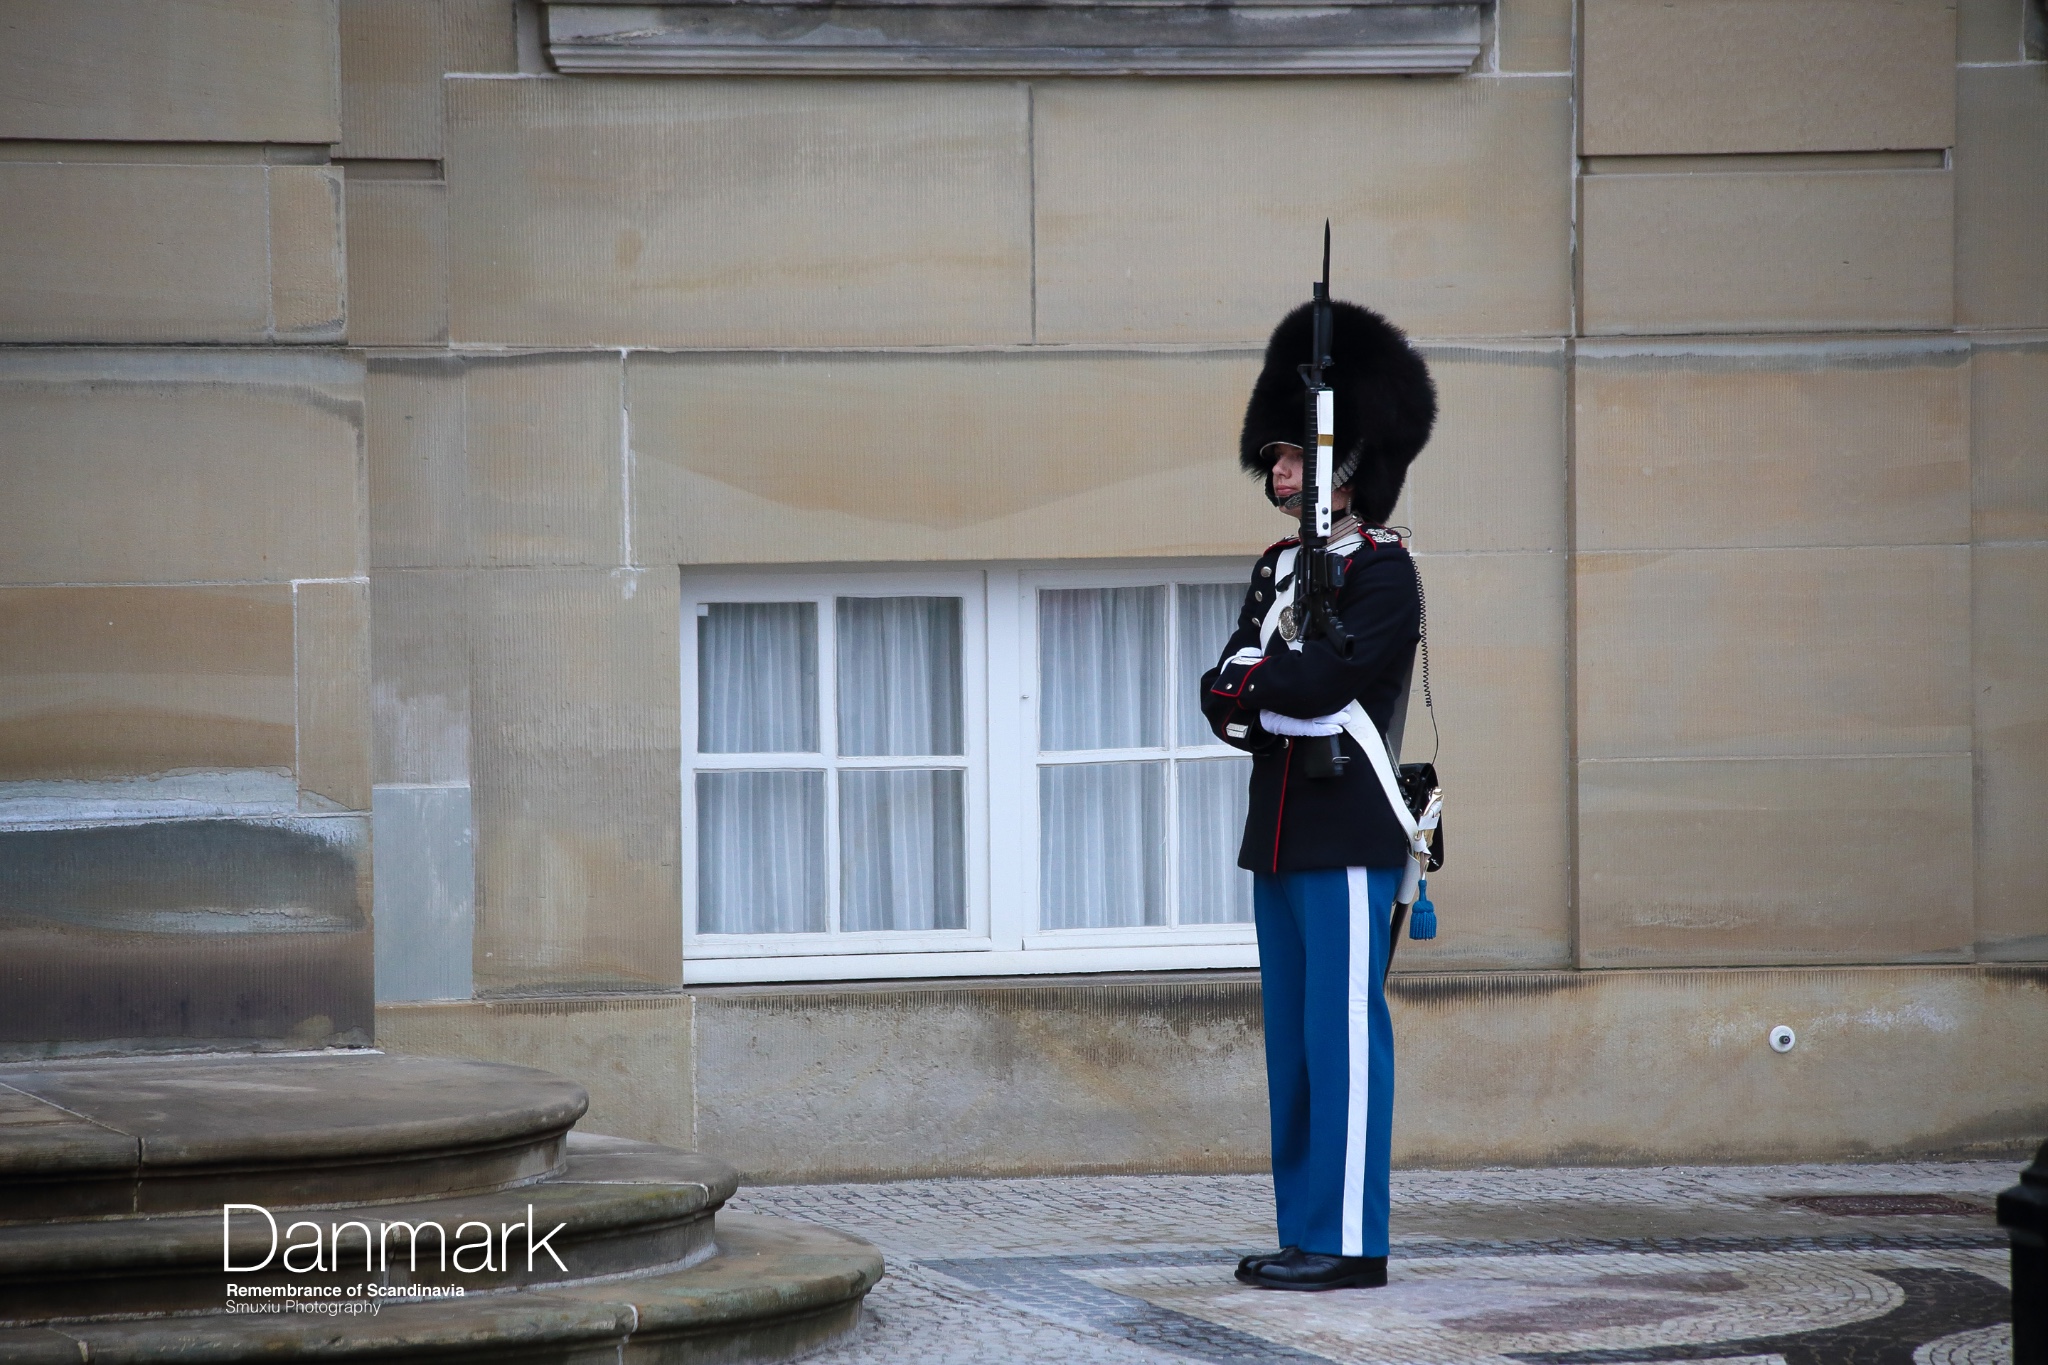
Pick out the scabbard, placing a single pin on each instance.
(1393, 940)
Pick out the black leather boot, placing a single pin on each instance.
(1310, 1272)
(1248, 1264)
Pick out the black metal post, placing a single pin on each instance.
(2023, 1213)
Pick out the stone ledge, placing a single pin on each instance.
(1350, 37)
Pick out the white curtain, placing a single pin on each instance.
(1214, 795)
(1101, 668)
(902, 847)
(899, 676)
(1102, 845)
(761, 853)
(757, 678)
(1205, 615)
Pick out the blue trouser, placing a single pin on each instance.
(1329, 1053)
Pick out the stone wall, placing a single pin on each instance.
(184, 601)
(1735, 527)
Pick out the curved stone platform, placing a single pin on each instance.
(603, 1248)
(128, 1135)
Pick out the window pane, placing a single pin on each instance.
(1102, 668)
(757, 678)
(1207, 613)
(899, 675)
(1102, 845)
(761, 853)
(1214, 794)
(902, 850)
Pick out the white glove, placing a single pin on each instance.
(1277, 724)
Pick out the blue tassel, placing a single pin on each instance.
(1422, 919)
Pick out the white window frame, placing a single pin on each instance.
(999, 664)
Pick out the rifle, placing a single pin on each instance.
(1318, 573)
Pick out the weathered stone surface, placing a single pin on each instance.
(729, 463)
(196, 466)
(1452, 216)
(480, 35)
(391, 64)
(984, 1077)
(212, 71)
(1766, 251)
(709, 213)
(127, 682)
(1500, 666)
(307, 255)
(1766, 653)
(1493, 474)
(1772, 443)
(634, 1056)
(420, 677)
(1775, 861)
(418, 473)
(2010, 616)
(2008, 432)
(545, 459)
(1990, 30)
(1534, 35)
(426, 892)
(576, 747)
(142, 253)
(333, 631)
(2001, 196)
(397, 262)
(1777, 76)
(185, 934)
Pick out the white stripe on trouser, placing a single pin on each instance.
(1358, 1042)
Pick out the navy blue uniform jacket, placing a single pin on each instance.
(1295, 824)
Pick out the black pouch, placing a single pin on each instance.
(1418, 783)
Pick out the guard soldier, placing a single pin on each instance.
(1326, 850)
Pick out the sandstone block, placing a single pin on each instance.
(726, 453)
(1493, 474)
(1768, 76)
(107, 683)
(1534, 35)
(2009, 430)
(220, 253)
(738, 213)
(545, 460)
(1766, 251)
(577, 743)
(2010, 608)
(1450, 216)
(418, 476)
(2001, 196)
(420, 679)
(308, 255)
(170, 71)
(155, 466)
(480, 35)
(397, 262)
(391, 64)
(426, 893)
(1767, 653)
(1772, 443)
(333, 634)
(1775, 861)
(1501, 668)
(1991, 30)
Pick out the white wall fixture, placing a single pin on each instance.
(1783, 1039)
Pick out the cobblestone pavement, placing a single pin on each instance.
(1754, 1265)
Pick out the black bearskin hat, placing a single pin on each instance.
(1385, 403)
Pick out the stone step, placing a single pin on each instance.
(774, 1289)
(623, 1205)
(109, 1137)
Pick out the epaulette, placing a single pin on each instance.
(1380, 535)
(1280, 544)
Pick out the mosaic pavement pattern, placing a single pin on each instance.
(1756, 1265)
